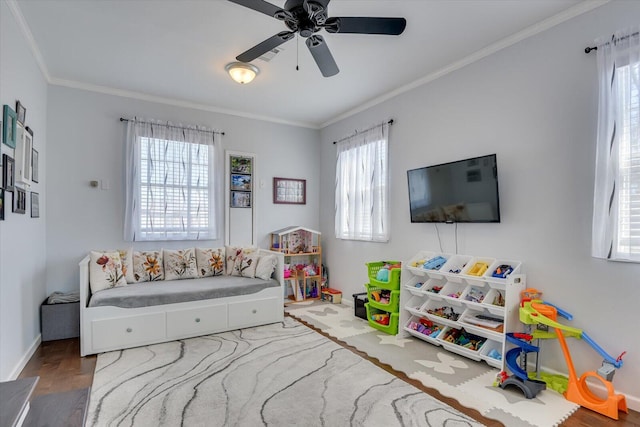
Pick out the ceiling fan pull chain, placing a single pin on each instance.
(297, 52)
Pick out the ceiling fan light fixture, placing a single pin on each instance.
(242, 72)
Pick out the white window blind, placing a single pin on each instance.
(171, 183)
(362, 186)
(616, 216)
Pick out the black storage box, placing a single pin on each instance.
(59, 321)
(359, 301)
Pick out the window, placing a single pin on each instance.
(170, 186)
(362, 187)
(616, 223)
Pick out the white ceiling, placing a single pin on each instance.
(175, 51)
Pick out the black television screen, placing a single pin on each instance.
(462, 191)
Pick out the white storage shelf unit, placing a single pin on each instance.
(452, 297)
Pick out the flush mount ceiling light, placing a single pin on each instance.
(242, 72)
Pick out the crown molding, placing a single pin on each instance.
(28, 35)
(173, 102)
(537, 28)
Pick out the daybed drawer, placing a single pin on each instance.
(122, 332)
(196, 321)
(256, 312)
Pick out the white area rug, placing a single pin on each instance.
(283, 374)
(467, 381)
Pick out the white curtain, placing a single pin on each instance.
(173, 181)
(616, 210)
(362, 186)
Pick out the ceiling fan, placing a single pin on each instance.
(307, 17)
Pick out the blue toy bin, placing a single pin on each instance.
(393, 284)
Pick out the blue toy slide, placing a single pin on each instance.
(596, 347)
(512, 355)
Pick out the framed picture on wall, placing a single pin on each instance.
(290, 191)
(9, 126)
(8, 174)
(240, 182)
(34, 165)
(241, 165)
(21, 112)
(35, 205)
(240, 199)
(19, 201)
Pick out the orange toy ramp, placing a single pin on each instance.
(579, 392)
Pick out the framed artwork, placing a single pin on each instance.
(290, 191)
(1, 204)
(240, 182)
(34, 165)
(240, 199)
(35, 205)
(8, 174)
(241, 165)
(19, 201)
(21, 112)
(9, 126)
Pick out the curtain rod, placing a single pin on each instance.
(390, 122)
(588, 49)
(122, 119)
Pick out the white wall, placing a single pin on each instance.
(22, 238)
(87, 143)
(534, 104)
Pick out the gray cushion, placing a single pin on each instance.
(174, 291)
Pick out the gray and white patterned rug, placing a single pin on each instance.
(467, 381)
(283, 374)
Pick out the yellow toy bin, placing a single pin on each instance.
(393, 284)
(391, 328)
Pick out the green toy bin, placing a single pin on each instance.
(391, 328)
(394, 299)
(393, 284)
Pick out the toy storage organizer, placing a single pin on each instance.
(383, 297)
(463, 303)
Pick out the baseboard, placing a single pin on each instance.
(633, 402)
(25, 359)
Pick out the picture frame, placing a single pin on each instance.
(240, 182)
(19, 201)
(35, 176)
(241, 199)
(242, 165)
(35, 205)
(9, 119)
(21, 112)
(289, 191)
(8, 173)
(1, 204)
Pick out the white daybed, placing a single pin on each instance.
(106, 328)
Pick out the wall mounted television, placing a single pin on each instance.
(461, 191)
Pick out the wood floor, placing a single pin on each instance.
(60, 368)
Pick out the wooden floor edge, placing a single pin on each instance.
(473, 413)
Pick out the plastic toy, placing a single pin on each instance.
(382, 275)
(502, 271)
(478, 269)
(381, 318)
(434, 263)
(542, 316)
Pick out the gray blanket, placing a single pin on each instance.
(174, 291)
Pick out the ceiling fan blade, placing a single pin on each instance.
(366, 25)
(264, 47)
(259, 6)
(322, 55)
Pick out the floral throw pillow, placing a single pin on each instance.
(180, 264)
(105, 271)
(241, 261)
(126, 256)
(147, 266)
(210, 262)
